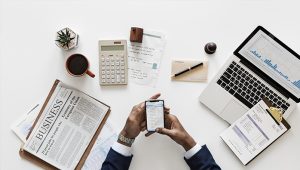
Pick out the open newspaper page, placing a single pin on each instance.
(66, 127)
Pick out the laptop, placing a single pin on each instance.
(262, 66)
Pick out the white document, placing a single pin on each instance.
(66, 127)
(101, 148)
(23, 125)
(252, 133)
(144, 58)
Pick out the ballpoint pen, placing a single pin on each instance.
(188, 69)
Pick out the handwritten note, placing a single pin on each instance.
(144, 58)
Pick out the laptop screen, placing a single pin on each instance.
(275, 59)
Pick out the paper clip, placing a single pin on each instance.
(276, 113)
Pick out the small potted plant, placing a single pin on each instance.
(66, 39)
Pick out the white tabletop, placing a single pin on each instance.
(30, 62)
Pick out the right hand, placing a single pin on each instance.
(175, 131)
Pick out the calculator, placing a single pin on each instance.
(113, 62)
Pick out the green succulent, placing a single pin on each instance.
(64, 38)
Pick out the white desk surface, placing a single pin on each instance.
(30, 62)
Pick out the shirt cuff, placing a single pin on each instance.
(122, 149)
(190, 153)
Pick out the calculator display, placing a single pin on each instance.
(112, 48)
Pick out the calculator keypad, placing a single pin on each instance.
(112, 68)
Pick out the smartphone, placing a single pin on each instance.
(154, 114)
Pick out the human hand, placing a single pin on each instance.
(175, 131)
(136, 121)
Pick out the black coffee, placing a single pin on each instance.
(77, 64)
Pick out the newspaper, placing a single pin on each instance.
(94, 161)
(66, 127)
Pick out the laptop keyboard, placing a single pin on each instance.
(241, 84)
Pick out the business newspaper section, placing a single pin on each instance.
(65, 127)
(49, 119)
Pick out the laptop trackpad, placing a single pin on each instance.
(232, 111)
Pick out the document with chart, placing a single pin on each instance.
(253, 132)
(101, 147)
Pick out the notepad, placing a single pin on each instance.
(198, 74)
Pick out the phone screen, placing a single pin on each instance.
(154, 114)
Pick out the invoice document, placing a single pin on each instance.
(253, 132)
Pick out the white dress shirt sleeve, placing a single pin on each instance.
(190, 153)
(122, 149)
